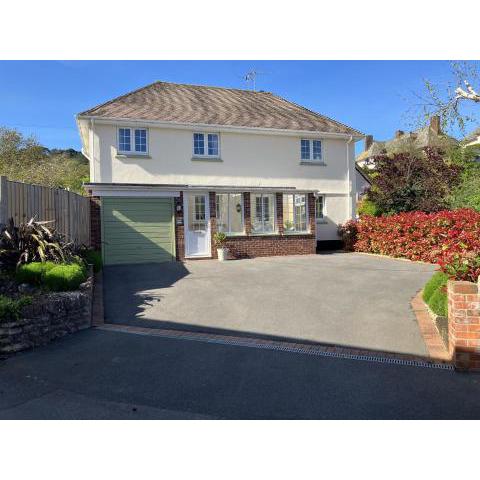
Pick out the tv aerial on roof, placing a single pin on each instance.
(250, 78)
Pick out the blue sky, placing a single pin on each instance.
(42, 97)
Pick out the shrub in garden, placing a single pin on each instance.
(93, 257)
(438, 280)
(30, 242)
(367, 207)
(407, 182)
(449, 238)
(10, 308)
(348, 233)
(65, 277)
(33, 273)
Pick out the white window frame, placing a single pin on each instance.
(307, 226)
(205, 145)
(310, 147)
(324, 210)
(228, 231)
(132, 150)
(253, 208)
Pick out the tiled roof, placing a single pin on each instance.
(407, 142)
(193, 104)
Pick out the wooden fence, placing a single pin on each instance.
(69, 211)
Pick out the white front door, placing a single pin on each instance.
(197, 225)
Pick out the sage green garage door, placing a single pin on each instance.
(137, 230)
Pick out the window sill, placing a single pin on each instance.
(239, 234)
(132, 155)
(264, 234)
(296, 233)
(317, 164)
(206, 159)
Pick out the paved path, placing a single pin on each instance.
(99, 374)
(347, 299)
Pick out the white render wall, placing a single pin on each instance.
(249, 159)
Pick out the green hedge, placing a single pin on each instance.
(435, 295)
(10, 308)
(33, 273)
(65, 277)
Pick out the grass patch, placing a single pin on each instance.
(439, 302)
(33, 273)
(435, 294)
(65, 277)
(10, 308)
(438, 280)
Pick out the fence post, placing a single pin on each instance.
(3, 201)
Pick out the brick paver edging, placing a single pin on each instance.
(430, 334)
(317, 349)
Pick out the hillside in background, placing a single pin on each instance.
(24, 159)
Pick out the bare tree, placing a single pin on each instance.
(453, 99)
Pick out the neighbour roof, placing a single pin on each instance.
(409, 141)
(180, 103)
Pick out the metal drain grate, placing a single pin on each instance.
(307, 349)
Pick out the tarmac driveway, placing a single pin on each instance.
(341, 298)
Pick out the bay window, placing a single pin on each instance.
(229, 213)
(262, 210)
(295, 213)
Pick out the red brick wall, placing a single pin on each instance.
(179, 229)
(464, 324)
(270, 245)
(95, 223)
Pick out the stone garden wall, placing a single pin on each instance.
(49, 316)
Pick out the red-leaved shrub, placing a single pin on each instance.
(450, 238)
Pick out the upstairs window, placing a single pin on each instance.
(133, 140)
(311, 150)
(205, 144)
(124, 139)
(295, 213)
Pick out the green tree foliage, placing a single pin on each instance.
(467, 193)
(24, 159)
(406, 182)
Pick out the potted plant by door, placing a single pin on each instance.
(220, 239)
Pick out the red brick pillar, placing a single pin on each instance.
(179, 228)
(212, 202)
(246, 213)
(95, 223)
(279, 209)
(464, 324)
(311, 213)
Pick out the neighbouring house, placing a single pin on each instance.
(429, 136)
(362, 183)
(171, 164)
(472, 139)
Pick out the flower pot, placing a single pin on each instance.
(222, 254)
